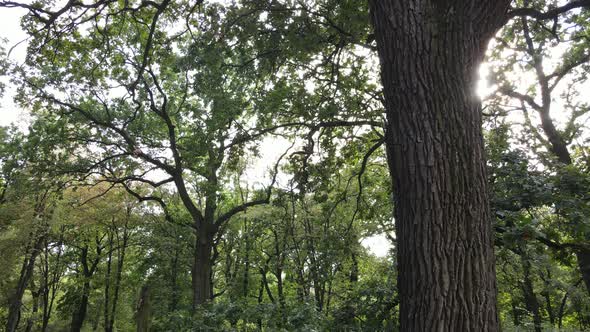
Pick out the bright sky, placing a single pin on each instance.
(11, 31)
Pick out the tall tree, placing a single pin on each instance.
(554, 124)
(143, 113)
(146, 104)
(430, 52)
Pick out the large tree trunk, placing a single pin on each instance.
(202, 269)
(430, 53)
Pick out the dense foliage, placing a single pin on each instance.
(217, 166)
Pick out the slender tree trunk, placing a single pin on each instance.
(353, 278)
(79, 314)
(51, 284)
(96, 320)
(558, 144)
(14, 307)
(562, 310)
(31, 321)
(280, 252)
(530, 299)
(88, 269)
(246, 274)
(174, 281)
(281, 292)
(143, 314)
(107, 284)
(430, 53)
(515, 312)
(119, 274)
(549, 308)
(583, 257)
(260, 299)
(313, 264)
(264, 281)
(547, 296)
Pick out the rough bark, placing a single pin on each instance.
(430, 53)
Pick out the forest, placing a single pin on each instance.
(295, 165)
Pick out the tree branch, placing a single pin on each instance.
(552, 13)
(240, 139)
(243, 207)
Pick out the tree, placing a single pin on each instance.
(25, 212)
(430, 53)
(129, 89)
(183, 114)
(530, 46)
(145, 101)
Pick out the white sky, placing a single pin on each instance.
(11, 31)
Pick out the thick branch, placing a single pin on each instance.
(524, 98)
(552, 13)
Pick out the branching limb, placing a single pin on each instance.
(550, 14)
(360, 174)
(221, 220)
(313, 127)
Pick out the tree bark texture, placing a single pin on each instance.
(430, 53)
